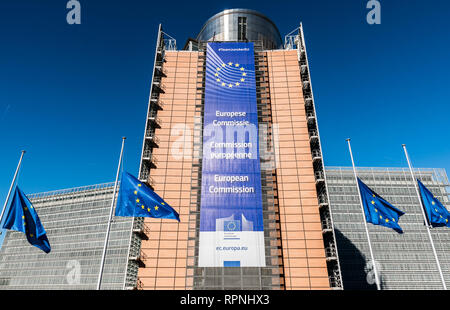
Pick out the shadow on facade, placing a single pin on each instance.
(353, 265)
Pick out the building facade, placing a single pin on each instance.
(299, 252)
(404, 261)
(310, 222)
(75, 221)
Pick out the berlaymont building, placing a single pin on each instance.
(232, 142)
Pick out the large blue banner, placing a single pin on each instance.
(231, 220)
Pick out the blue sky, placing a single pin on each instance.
(68, 93)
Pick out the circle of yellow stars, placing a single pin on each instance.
(142, 205)
(433, 203)
(381, 217)
(231, 65)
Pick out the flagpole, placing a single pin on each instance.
(11, 187)
(102, 264)
(427, 224)
(377, 280)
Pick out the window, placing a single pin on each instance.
(242, 28)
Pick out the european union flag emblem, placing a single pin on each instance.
(138, 200)
(232, 225)
(377, 210)
(229, 74)
(23, 217)
(436, 212)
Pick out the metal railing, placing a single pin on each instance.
(152, 116)
(143, 177)
(308, 102)
(138, 256)
(316, 154)
(141, 229)
(326, 225)
(313, 134)
(160, 71)
(306, 84)
(310, 115)
(323, 199)
(292, 40)
(148, 155)
(170, 44)
(319, 175)
(159, 85)
(82, 190)
(150, 134)
(330, 252)
(156, 100)
(335, 279)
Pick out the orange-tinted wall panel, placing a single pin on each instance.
(166, 249)
(302, 242)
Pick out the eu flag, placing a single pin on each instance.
(377, 210)
(23, 217)
(436, 212)
(138, 200)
